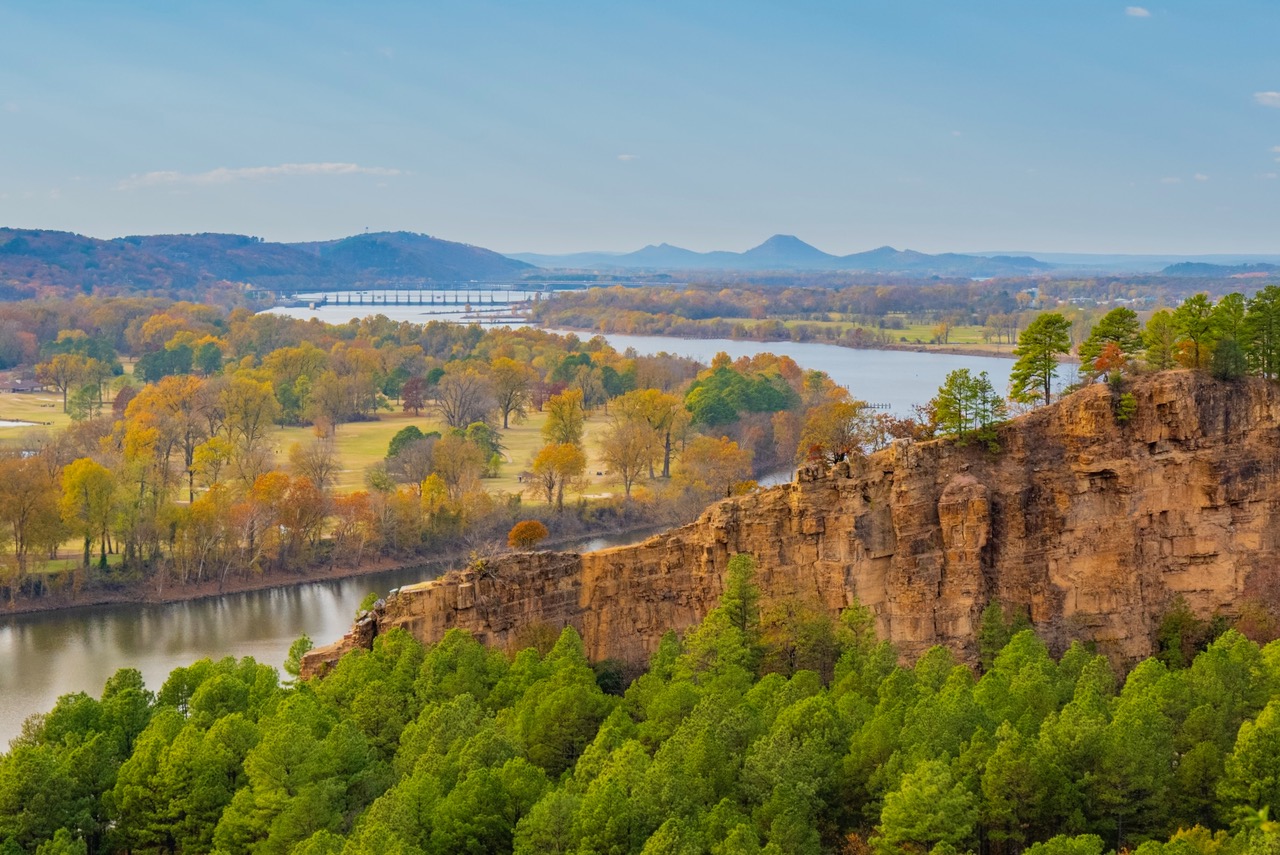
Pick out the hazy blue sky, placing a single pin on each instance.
(541, 126)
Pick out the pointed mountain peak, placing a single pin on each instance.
(785, 242)
(787, 251)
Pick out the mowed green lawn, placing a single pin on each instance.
(33, 407)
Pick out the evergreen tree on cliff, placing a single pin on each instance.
(1038, 348)
(1120, 327)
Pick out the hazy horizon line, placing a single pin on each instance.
(902, 246)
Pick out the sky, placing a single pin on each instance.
(547, 126)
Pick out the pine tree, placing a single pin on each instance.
(1038, 349)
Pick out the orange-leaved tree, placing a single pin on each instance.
(526, 534)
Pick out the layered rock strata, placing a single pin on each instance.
(1092, 525)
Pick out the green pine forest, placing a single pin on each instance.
(774, 729)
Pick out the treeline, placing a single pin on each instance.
(175, 472)
(764, 730)
(861, 315)
(707, 302)
(1230, 338)
(744, 313)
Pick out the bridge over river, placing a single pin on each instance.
(464, 294)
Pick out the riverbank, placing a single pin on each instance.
(148, 592)
(1000, 351)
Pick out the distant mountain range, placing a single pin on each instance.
(34, 261)
(31, 258)
(787, 252)
(1095, 263)
(1219, 271)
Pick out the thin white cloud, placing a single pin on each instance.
(1137, 12)
(11, 106)
(1269, 176)
(228, 175)
(956, 134)
(1200, 176)
(1170, 180)
(1267, 99)
(627, 157)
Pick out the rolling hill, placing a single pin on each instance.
(32, 259)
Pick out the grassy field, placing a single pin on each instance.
(363, 444)
(33, 407)
(360, 444)
(960, 338)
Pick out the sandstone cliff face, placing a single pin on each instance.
(1093, 526)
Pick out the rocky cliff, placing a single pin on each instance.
(1092, 525)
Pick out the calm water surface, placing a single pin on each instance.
(47, 655)
(899, 378)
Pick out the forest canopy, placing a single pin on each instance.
(768, 728)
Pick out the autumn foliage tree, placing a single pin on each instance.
(526, 534)
(566, 418)
(664, 414)
(512, 388)
(1111, 362)
(66, 371)
(1117, 333)
(838, 430)
(628, 447)
(88, 503)
(29, 511)
(557, 467)
(713, 467)
(413, 395)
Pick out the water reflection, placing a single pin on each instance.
(43, 656)
(896, 378)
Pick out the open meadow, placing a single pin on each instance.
(361, 445)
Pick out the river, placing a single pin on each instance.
(898, 378)
(50, 654)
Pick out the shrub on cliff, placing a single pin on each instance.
(526, 534)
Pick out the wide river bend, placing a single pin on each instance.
(46, 655)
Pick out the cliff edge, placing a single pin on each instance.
(1094, 526)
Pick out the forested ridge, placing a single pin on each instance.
(776, 730)
(42, 262)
